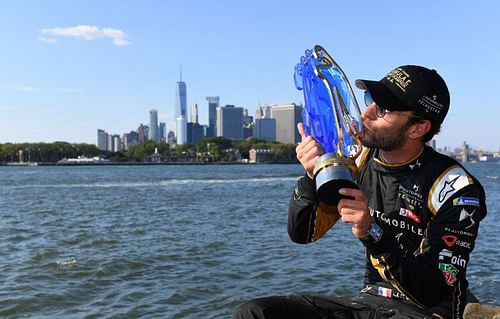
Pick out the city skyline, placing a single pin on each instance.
(91, 64)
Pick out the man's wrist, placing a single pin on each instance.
(374, 234)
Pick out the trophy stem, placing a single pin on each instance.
(333, 172)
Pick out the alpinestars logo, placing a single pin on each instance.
(447, 188)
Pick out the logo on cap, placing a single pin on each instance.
(399, 77)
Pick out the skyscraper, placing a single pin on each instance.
(153, 126)
(111, 143)
(171, 138)
(194, 113)
(141, 131)
(181, 111)
(129, 139)
(230, 122)
(117, 143)
(287, 116)
(181, 98)
(263, 112)
(181, 130)
(194, 133)
(265, 126)
(265, 129)
(102, 140)
(163, 131)
(213, 104)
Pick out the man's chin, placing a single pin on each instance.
(366, 141)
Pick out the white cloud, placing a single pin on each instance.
(87, 32)
(47, 40)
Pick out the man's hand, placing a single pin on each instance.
(308, 151)
(355, 211)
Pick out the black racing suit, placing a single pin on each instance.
(429, 210)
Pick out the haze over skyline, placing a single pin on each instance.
(71, 67)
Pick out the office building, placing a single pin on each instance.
(263, 112)
(153, 133)
(465, 152)
(129, 139)
(247, 132)
(247, 119)
(265, 129)
(171, 140)
(194, 133)
(181, 130)
(111, 144)
(265, 126)
(287, 116)
(181, 110)
(213, 104)
(181, 98)
(117, 143)
(141, 132)
(102, 140)
(163, 131)
(230, 122)
(194, 113)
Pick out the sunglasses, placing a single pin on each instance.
(380, 110)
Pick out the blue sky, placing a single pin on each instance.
(69, 67)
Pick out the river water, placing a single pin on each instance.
(178, 241)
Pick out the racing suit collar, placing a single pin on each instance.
(412, 165)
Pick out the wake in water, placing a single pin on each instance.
(164, 182)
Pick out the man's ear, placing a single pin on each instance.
(419, 129)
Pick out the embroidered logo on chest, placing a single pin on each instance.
(412, 195)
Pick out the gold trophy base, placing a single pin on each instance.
(332, 173)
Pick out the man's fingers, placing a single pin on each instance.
(357, 194)
(308, 144)
(348, 215)
(300, 128)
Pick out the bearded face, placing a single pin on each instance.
(388, 138)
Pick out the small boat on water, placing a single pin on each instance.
(83, 160)
(22, 164)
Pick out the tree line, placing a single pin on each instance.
(45, 152)
(211, 149)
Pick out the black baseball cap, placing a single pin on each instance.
(411, 88)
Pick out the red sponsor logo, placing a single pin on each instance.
(449, 272)
(411, 215)
(449, 240)
(450, 278)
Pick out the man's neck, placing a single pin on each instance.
(401, 156)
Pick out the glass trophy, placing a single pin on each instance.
(332, 116)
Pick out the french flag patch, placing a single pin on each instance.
(386, 292)
(409, 214)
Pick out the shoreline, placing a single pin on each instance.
(137, 164)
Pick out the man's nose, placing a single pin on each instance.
(370, 111)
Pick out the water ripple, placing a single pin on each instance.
(177, 242)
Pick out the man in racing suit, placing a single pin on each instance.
(417, 212)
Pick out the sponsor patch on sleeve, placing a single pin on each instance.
(466, 201)
(449, 272)
(385, 292)
(451, 181)
(409, 214)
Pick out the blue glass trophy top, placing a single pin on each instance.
(329, 104)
